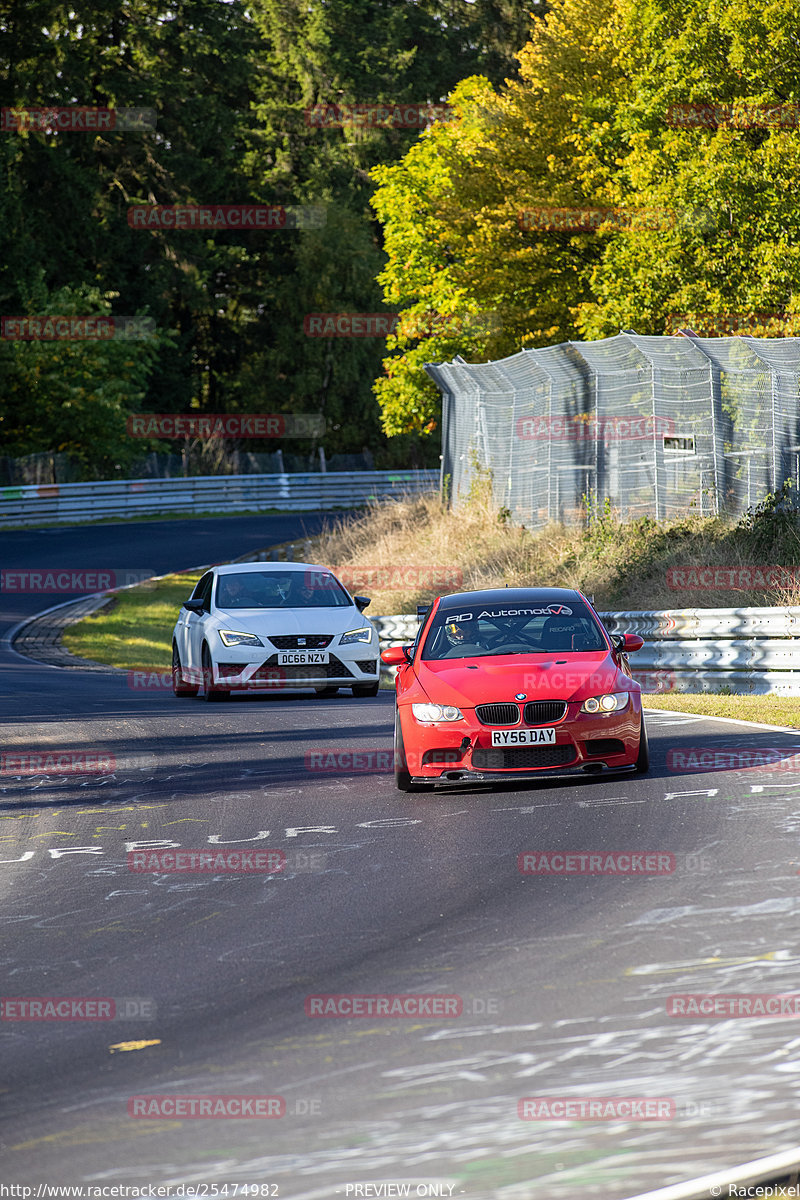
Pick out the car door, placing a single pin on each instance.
(196, 623)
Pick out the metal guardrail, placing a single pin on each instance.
(78, 502)
(751, 651)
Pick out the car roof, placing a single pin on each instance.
(236, 568)
(530, 595)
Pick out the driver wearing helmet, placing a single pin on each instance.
(455, 634)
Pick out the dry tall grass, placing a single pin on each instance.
(622, 566)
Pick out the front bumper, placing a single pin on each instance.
(258, 669)
(584, 743)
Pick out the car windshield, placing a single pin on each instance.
(280, 589)
(483, 630)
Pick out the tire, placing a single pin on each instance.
(402, 778)
(330, 690)
(366, 689)
(210, 692)
(643, 759)
(179, 685)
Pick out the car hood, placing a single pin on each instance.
(467, 682)
(283, 621)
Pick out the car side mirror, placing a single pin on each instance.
(195, 606)
(396, 656)
(362, 602)
(627, 642)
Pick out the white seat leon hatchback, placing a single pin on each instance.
(271, 627)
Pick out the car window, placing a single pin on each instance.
(280, 589)
(203, 589)
(481, 630)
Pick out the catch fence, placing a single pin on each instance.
(638, 426)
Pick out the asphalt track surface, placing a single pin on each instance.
(563, 981)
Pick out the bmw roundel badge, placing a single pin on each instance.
(521, 696)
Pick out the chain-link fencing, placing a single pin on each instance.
(637, 426)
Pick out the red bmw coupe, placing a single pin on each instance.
(513, 683)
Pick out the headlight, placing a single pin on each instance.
(231, 637)
(356, 635)
(436, 712)
(612, 702)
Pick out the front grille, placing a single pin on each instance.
(296, 672)
(544, 712)
(497, 714)
(300, 641)
(508, 758)
(367, 665)
(604, 746)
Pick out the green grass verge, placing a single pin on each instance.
(769, 710)
(135, 630)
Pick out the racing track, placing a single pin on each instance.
(563, 980)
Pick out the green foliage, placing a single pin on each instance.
(229, 83)
(74, 396)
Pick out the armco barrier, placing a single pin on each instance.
(749, 650)
(77, 502)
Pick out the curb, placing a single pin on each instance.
(39, 637)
